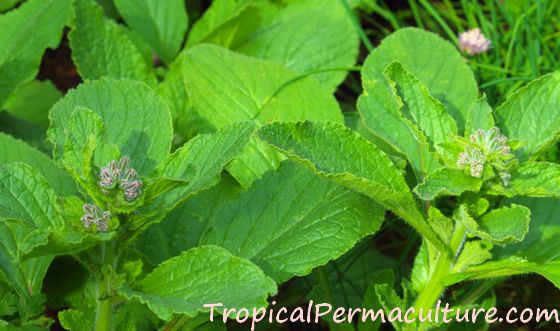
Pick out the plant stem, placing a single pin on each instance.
(434, 287)
(323, 280)
(104, 300)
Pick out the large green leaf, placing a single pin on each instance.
(531, 115)
(202, 275)
(538, 253)
(534, 179)
(25, 34)
(340, 154)
(101, 48)
(135, 119)
(434, 61)
(292, 220)
(225, 87)
(198, 164)
(162, 23)
(398, 109)
(308, 36)
(14, 150)
(311, 36)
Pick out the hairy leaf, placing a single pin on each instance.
(534, 179)
(291, 221)
(340, 154)
(531, 115)
(391, 113)
(206, 274)
(434, 61)
(199, 164)
(14, 150)
(447, 181)
(135, 119)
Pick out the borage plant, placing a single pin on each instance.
(218, 173)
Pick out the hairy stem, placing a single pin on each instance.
(434, 287)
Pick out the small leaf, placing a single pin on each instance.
(531, 115)
(480, 118)
(206, 274)
(474, 253)
(500, 226)
(447, 182)
(162, 23)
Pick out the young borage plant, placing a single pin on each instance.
(278, 185)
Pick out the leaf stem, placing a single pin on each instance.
(434, 287)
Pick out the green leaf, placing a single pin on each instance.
(388, 114)
(434, 61)
(447, 182)
(14, 150)
(225, 87)
(83, 130)
(101, 48)
(530, 116)
(226, 23)
(162, 23)
(183, 227)
(199, 163)
(135, 119)
(420, 107)
(291, 221)
(500, 226)
(474, 253)
(31, 102)
(340, 154)
(307, 37)
(534, 179)
(537, 253)
(36, 217)
(75, 320)
(480, 117)
(206, 274)
(22, 46)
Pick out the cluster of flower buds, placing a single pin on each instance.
(93, 215)
(473, 42)
(474, 158)
(487, 146)
(120, 174)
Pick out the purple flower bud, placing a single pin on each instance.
(473, 42)
(133, 190)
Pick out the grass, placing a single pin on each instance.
(525, 34)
